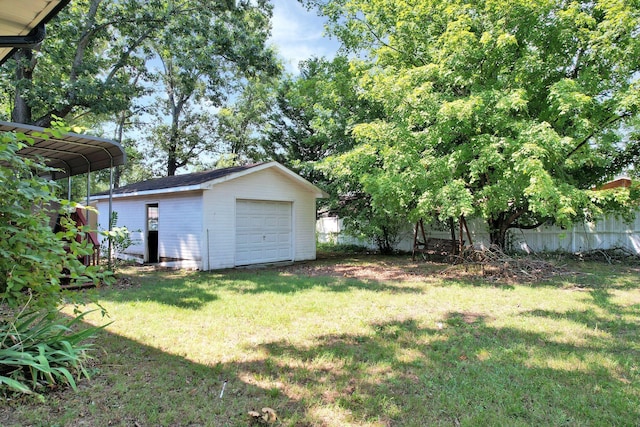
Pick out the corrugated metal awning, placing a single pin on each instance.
(72, 153)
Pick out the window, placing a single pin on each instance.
(152, 217)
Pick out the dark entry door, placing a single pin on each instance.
(152, 233)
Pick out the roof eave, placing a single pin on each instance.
(29, 37)
(146, 193)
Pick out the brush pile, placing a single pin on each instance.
(611, 256)
(494, 264)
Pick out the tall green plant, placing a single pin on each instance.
(38, 352)
(35, 348)
(509, 111)
(120, 239)
(33, 256)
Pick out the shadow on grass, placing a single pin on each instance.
(460, 371)
(275, 282)
(175, 293)
(466, 373)
(136, 385)
(192, 290)
(611, 320)
(584, 275)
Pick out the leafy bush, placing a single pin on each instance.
(37, 348)
(37, 352)
(342, 248)
(33, 256)
(120, 238)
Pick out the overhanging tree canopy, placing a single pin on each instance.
(507, 110)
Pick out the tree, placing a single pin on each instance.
(83, 64)
(507, 110)
(204, 57)
(313, 117)
(239, 125)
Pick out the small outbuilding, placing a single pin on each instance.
(237, 216)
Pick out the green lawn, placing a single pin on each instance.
(325, 349)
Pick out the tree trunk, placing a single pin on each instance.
(498, 231)
(24, 75)
(172, 164)
(385, 241)
(117, 173)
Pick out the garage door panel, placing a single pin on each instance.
(271, 222)
(284, 222)
(270, 239)
(263, 232)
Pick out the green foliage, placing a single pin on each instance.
(83, 66)
(313, 119)
(314, 113)
(341, 249)
(120, 238)
(507, 110)
(39, 352)
(36, 349)
(206, 55)
(239, 124)
(33, 256)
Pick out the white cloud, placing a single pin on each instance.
(298, 34)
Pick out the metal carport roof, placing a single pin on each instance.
(71, 153)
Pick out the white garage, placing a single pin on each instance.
(236, 216)
(263, 231)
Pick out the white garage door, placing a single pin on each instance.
(263, 231)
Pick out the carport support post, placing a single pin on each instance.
(110, 214)
(88, 189)
(87, 259)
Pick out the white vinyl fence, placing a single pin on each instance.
(608, 233)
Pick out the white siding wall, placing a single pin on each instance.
(131, 214)
(269, 184)
(179, 223)
(180, 226)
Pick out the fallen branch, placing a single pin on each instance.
(494, 264)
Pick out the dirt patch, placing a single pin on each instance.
(493, 267)
(124, 282)
(397, 269)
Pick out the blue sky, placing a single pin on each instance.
(299, 34)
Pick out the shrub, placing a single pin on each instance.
(37, 347)
(120, 239)
(32, 256)
(38, 352)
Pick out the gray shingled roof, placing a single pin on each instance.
(179, 180)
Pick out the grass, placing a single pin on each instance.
(329, 350)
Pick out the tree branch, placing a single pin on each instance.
(387, 45)
(609, 122)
